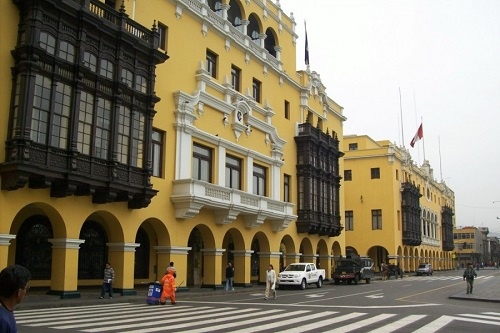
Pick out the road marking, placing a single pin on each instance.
(435, 325)
(142, 318)
(185, 321)
(225, 325)
(314, 295)
(428, 291)
(277, 324)
(442, 321)
(322, 323)
(173, 313)
(398, 324)
(375, 296)
(319, 306)
(364, 322)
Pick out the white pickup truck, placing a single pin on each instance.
(300, 275)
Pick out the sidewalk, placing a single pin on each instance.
(486, 290)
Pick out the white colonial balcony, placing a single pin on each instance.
(190, 195)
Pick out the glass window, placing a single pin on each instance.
(353, 146)
(286, 188)
(41, 109)
(375, 173)
(48, 43)
(212, 64)
(123, 134)
(256, 90)
(67, 51)
(287, 110)
(103, 128)
(259, 180)
(127, 77)
(106, 69)
(61, 116)
(233, 172)
(162, 30)
(376, 219)
(347, 175)
(349, 220)
(85, 120)
(90, 61)
(157, 153)
(235, 77)
(202, 163)
(141, 84)
(138, 130)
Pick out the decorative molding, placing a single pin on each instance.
(6, 238)
(122, 247)
(66, 243)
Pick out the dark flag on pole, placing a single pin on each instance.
(306, 59)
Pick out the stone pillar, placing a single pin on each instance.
(309, 257)
(4, 249)
(212, 268)
(266, 259)
(242, 267)
(122, 258)
(177, 255)
(324, 261)
(291, 258)
(64, 271)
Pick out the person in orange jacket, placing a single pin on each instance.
(169, 288)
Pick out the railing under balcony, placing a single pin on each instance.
(190, 195)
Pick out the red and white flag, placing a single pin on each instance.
(419, 135)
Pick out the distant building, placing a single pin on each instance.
(395, 211)
(472, 245)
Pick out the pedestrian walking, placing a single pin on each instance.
(169, 287)
(270, 282)
(385, 271)
(469, 275)
(107, 284)
(13, 287)
(229, 277)
(173, 268)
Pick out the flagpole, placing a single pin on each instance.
(423, 138)
(306, 48)
(440, 166)
(401, 112)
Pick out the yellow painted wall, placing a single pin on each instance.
(187, 45)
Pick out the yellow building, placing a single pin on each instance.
(395, 211)
(471, 246)
(142, 133)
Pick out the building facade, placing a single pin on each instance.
(472, 245)
(395, 211)
(144, 133)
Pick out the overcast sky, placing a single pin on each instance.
(444, 57)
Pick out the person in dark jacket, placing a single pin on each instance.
(13, 287)
(469, 275)
(229, 277)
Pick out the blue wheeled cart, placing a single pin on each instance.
(154, 293)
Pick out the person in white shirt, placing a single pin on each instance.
(270, 282)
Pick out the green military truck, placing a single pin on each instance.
(353, 269)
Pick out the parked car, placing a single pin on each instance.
(394, 270)
(353, 269)
(425, 269)
(300, 275)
